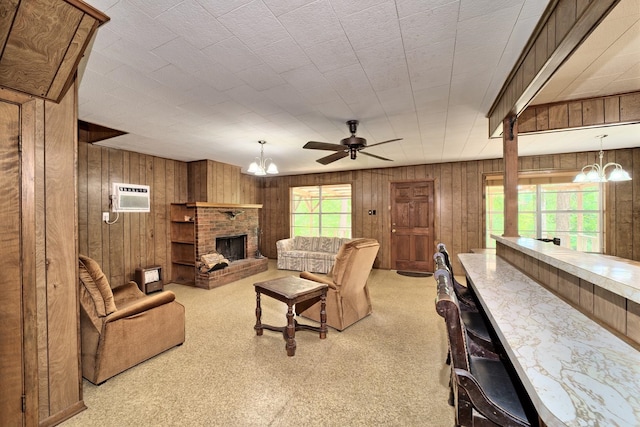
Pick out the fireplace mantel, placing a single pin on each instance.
(222, 205)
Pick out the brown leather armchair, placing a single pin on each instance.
(348, 295)
(122, 327)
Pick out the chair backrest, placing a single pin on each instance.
(447, 307)
(447, 260)
(96, 296)
(353, 264)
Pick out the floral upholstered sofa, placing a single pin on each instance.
(313, 254)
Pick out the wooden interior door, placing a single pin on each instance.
(11, 353)
(412, 225)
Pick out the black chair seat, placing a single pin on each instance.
(498, 386)
(475, 325)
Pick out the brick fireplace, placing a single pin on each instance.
(227, 221)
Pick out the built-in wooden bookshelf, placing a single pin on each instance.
(183, 243)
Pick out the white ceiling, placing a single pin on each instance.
(206, 79)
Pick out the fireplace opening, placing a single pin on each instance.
(232, 248)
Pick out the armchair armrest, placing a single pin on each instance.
(284, 245)
(127, 292)
(142, 305)
(319, 279)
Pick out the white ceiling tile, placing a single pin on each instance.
(260, 77)
(410, 7)
(283, 55)
(254, 24)
(396, 100)
(312, 24)
(347, 7)
(191, 21)
(332, 54)
(102, 64)
(234, 54)
(182, 54)
(279, 7)
(475, 8)
(132, 55)
(218, 77)
(429, 27)
(174, 77)
(153, 8)
(349, 82)
(358, 26)
(131, 24)
(220, 7)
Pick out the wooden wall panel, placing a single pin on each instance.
(459, 201)
(136, 239)
(63, 332)
(459, 221)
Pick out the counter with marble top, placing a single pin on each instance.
(617, 275)
(576, 371)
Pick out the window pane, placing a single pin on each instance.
(321, 210)
(569, 211)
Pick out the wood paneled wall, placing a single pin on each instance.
(136, 239)
(459, 201)
(143, 239)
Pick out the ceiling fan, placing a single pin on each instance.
(348, 146)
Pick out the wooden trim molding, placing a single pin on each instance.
(222, 205)
(564, 26)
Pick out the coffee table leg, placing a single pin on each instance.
(323, 316)
(258, 326)
(291, 332)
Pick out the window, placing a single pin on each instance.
(556, 208)
(323, 210)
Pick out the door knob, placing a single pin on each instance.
(393, 230)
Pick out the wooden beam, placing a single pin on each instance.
(581, 113)
(91, 132)
(510, 150)
(564, 25)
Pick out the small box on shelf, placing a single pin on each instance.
(149, 279)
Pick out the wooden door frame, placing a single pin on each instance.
(436, 210)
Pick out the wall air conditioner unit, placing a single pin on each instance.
(130, 198)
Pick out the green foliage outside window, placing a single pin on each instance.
(321, 211)
(569, 211)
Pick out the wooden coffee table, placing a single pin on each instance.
(292, 290)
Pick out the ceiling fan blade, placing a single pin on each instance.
(315, 145)
(384, 142)
(373, 155)
(333, 157)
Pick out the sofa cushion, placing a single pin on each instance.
(92, 277)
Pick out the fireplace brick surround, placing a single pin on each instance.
(217, 220)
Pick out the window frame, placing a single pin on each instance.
(341, 231)
(538, 180)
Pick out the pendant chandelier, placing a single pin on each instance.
(261, 166)
(597, 172)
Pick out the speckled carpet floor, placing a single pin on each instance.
(386, 370)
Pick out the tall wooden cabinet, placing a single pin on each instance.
(40, 372)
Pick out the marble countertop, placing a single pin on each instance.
(618, 275)
(576, 372)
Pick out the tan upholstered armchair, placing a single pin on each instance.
(348, 296)
(122, 327)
